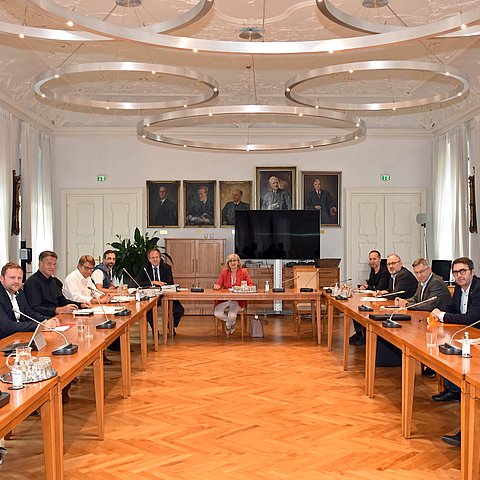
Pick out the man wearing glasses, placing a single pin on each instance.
(401, 279)
(429, 285)
(464, 309)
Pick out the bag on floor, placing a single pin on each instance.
(256, 327)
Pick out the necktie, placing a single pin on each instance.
(155, 273)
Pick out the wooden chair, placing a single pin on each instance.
(305, 276)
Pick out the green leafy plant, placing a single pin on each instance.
(131, 255)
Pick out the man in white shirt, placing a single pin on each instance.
(78, 284)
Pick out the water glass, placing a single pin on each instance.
(47, 366)
(89, 329)
(81, 323)
(431, 339)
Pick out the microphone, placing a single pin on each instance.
(136, 283)
(390, 323)
(306, 288)
(281, 289)
(107, 324)
(448, 348)
(67, 349)
(151, 283)
(390, 294)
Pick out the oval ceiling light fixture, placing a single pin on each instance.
(273, 48)
(257, 115)
(41, 85)
(461, 88)
(355, 23)
(187, 18)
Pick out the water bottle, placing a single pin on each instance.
(267, 286)
(466, 346)
(17, 377)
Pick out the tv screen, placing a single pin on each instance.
(271, 235)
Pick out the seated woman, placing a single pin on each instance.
(233, 274)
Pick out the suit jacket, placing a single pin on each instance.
(404, 280)
(324, 201)
(279, 200)
(228, 211)
(164, 214)
(8, 322)
(225, 281)
(165, 274)
(453, 314)
(435, 288)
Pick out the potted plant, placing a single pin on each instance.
(131, 255)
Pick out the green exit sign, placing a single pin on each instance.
(385, 178)
(101, 178)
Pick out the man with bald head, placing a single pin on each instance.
(401, 279)
(228, 211)
(276, 198)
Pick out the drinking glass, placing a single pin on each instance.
(81, 323)
(89, 331)
(431, 339)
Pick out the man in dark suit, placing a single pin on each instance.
(401, 279)
(201, 211)
(319, 199)
(13, 300)
(228, 211)
(160, 274)
(464, 309)
(165, 212)
(429, 285)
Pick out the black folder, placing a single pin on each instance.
(387, 316)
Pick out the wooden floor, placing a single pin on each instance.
(219, 408)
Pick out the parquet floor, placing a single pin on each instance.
(219, 408)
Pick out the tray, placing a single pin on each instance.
(7, 378)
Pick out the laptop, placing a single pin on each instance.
(37, 342)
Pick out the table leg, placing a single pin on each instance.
(143, 340)
(124, 359)
(330, 326)
(165, 318)
(470, 433)
(408, 388)
(155, 326)
(58, 421)
(318, 306)
(346, 331)
(48, 430)
(370, 358)
(99, 384)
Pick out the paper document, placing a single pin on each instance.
(372, 299)
(62, 328)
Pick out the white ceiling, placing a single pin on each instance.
(242, 78)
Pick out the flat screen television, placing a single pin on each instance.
(277, 234)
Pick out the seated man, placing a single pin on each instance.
(401, 279)
(464, 309)
(13, 303)
(102, 273)
(429, 285)
(158, 273)
(79, 285)
(44, 291)
(378, 280)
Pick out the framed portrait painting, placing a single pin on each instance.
(276, 188)
(321, 191)
(162, 203)
(235, 195)
(199, 198)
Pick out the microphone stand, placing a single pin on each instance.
(107, 324)
(136, 283)
(448, 348)
(390, 323)
(67, 349)
(150, 280)
(308, 289)
(282, 289)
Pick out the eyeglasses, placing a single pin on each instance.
(421, 271)
(462, 272)
(392, 263)
(87, 268)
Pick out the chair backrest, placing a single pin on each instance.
(308, 277)
(442, 268)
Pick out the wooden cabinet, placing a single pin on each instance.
(196, 262)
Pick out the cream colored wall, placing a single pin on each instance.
(129, 163)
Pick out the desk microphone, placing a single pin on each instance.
(281, 289)
(151, 283)
(107, 324)
(306, 288)
(390, 323)
(448, 348)
(390, 294)
(136, 283)
(67, 349)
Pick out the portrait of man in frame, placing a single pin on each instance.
(199, 203)
(321, 191)
(162, 203)
(276, 188)
(234, 195)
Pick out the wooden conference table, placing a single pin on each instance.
(47, 395)
(411, 340)
(222, 295)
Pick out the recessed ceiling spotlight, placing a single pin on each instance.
(128, 3)
(251, 33)
(374, 3)
(70, 23)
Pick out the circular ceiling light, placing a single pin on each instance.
(251, 118)
(187, 18)
(41, 85)
(275, 48)
(351, 21)
(451, 73)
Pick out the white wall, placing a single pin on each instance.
(128, 162)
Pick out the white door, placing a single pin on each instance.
(384, 220)
(93, 218)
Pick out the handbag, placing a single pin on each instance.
(256, 327)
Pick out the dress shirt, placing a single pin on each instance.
(76, 287)
(463, 303)
(424, 284)
(16, 308)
